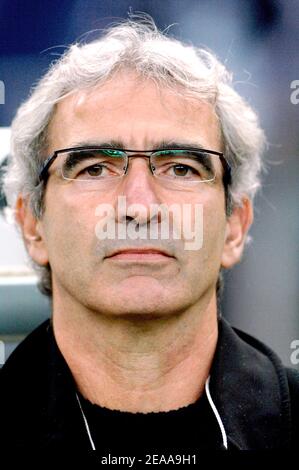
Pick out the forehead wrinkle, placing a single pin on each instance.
(155, 144)
(84, 101)
(173, 112)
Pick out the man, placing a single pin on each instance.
(134, 167)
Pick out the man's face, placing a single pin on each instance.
(140, 116)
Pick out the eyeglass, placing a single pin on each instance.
(101, 167)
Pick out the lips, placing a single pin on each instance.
(139, 253)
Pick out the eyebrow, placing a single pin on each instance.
(72, 159)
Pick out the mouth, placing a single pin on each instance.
(140, 254)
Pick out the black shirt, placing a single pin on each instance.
(182, 431)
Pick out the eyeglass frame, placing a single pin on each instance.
(44, 175)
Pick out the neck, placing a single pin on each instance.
(138, 364)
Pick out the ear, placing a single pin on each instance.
(32, 230)
(237, 226)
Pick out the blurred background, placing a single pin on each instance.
(258, 40)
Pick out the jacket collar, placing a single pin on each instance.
(249, 388)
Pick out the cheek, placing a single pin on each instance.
(209, 223)
(204, 215)
(214, 224)
(69, 226)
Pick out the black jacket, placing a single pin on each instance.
(256, 396)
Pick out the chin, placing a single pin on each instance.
(142, 317)
(139, 298)
(139, 308)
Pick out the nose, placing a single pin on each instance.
(139, 188)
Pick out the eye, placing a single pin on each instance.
(181, 170)
(183, 165)
(93, 170)
(93, 164)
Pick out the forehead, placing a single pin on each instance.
(134, 111)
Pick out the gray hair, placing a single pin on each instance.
(139, 46)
